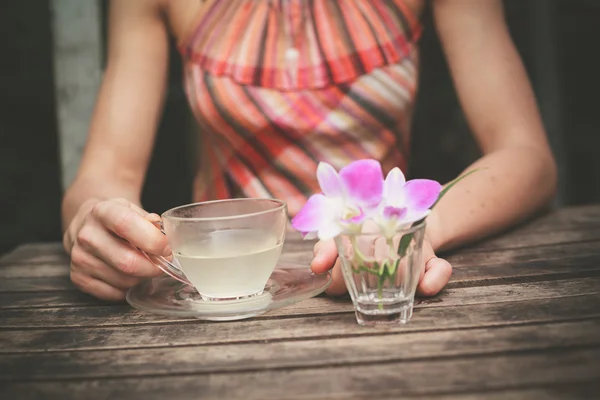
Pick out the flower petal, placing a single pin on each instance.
(363, 181)
(329, 230)
(394, 212)
(317, 210)
(421, 193)
(329, 180)
(414, 216)
(309, 235)
(393, 187)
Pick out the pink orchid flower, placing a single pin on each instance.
(347, 199)
(405, 202)
(359, 192)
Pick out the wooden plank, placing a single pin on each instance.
(42, 270)
(193, 332)
(298, 353)
(54, 253)
(452, 295)
(422, 377)
(566, 225)
(303, 253)
(518, 272)
(41, 284)
(25, 292)
(67, 298)
(464, 277)
(528, 254)
(571, 224)
(567, 218)
(34, 253)
(469, 268)
(524, 238)
(579, 391)
(125, 315)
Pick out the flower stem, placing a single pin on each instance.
(387, 268)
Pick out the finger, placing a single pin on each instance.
(87, 264)
(152, 217)
(126, 223)
(338, 285)
(325, 255)
(133, 206)
(115, 252)
(437, 274)
(97, 288)
(155, 218)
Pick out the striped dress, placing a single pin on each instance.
(279, 85)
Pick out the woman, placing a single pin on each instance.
(278, 86)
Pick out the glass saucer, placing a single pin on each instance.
(290, 283)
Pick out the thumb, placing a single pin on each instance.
(325, 254)
(436, 273)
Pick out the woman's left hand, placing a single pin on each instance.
(432, 280)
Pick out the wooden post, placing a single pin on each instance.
(76, 28)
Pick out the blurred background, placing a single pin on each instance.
(52, 53)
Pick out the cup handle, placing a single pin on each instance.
(168, 267)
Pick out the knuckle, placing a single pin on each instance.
(128, 263)
(79, 257)
(86, 236)
(98, 209)
(83, 282)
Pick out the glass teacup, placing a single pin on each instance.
(225, 249)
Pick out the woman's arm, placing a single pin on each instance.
(128, 106)
(520, 173)
(101, 214)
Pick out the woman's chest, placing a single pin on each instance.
(182, 14)
(299, 45)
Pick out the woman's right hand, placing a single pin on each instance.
(102, 239)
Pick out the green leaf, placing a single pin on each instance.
(380, 282)
(404, 243)
(381, 267)
(373, 271)
(392, 267)
(449, 185)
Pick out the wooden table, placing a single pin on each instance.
(520, 319)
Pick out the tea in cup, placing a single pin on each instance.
(226, 249)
